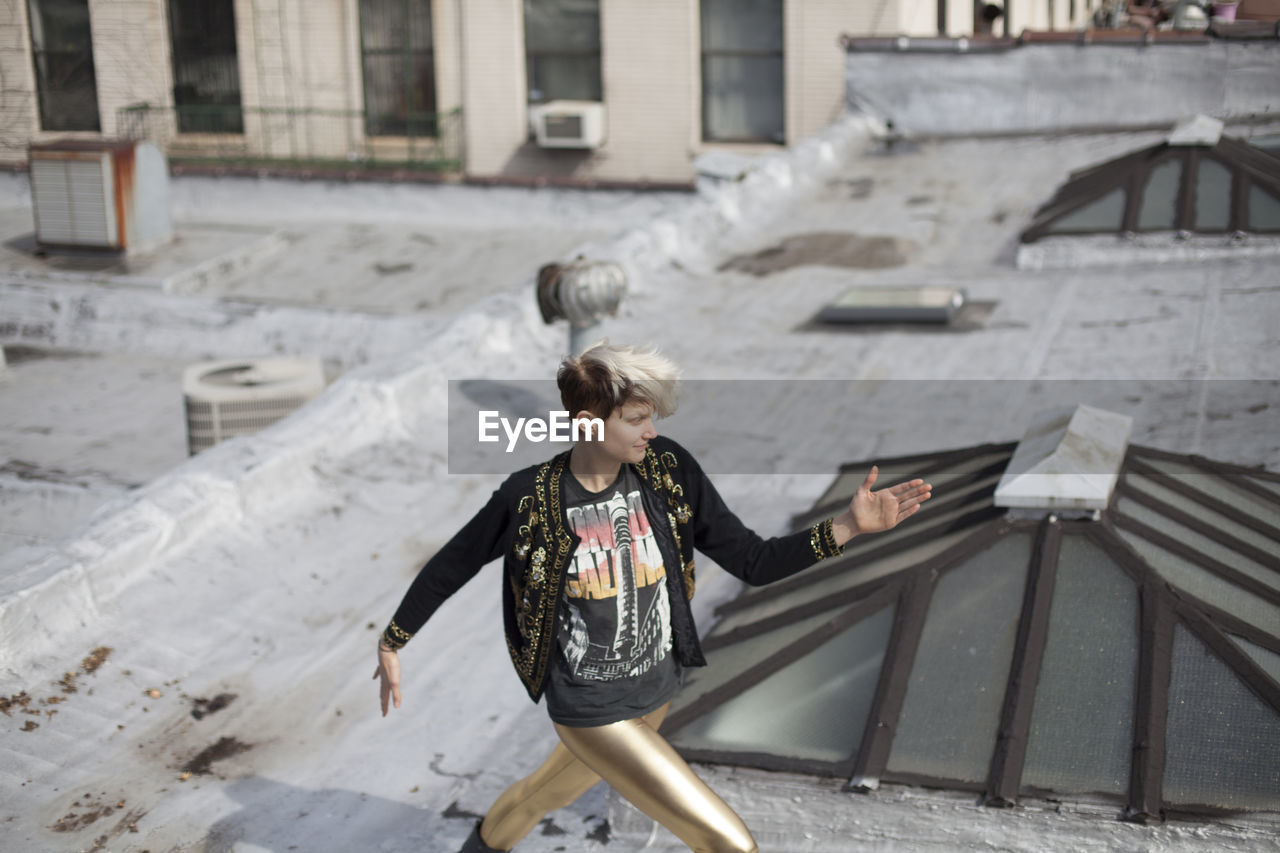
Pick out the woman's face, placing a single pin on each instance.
(627, 432)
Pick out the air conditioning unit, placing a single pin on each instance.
(100, 194)
(229, 398)
(568, 124)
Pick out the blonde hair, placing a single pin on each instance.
(605, 376)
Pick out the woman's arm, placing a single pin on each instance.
(722, 536)
(479, 542)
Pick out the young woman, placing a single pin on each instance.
(597, 548)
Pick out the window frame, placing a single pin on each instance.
(43, 92)
(531, 57)
(229, 115)
(408, 55)
(705, 53)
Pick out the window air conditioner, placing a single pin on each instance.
(229, 398)
(568, 124)
(100, 194)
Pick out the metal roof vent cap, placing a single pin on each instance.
(1068, 460)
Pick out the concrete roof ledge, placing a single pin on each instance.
(692, 234)
(56, 595)
(1125, 250)
(1066, 460)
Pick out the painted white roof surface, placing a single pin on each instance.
(265, 568)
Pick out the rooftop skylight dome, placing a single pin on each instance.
(1072, 615)
(1197, 194)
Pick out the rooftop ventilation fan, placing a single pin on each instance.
(229, 398)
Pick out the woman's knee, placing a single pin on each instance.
(726, 844)
(738, 843)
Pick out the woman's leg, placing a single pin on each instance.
(560, 780)
(640, 765)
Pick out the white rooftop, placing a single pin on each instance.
(264, 568)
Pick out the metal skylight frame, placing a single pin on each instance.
(966, 501)
(1249, 166)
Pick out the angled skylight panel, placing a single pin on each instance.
(850, 477)
(1191, 575)
(1159, 208)
(1222, 745)
(1267, 660)
(1197, 548)
(733, 661)
(937, 468)
(1257, 481)
(1103, 214)
(856, 576)
(947, 727)
(1082, 718)
(1213, 196)
(1243, 494)
(1225, 525)
(1264, 210)
(958, 512)
(748, 617)
(813, 709)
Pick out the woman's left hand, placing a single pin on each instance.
(873, 512)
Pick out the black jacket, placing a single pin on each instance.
(524, 523)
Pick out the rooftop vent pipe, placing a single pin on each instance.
(582, 292)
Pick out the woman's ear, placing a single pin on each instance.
(583, 426)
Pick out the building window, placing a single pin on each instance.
(742, 82)
(398, 61)
(206, 68)
(562, 50)
(62, 48)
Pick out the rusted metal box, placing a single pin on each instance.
(102, 194)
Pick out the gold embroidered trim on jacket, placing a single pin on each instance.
(822, 540)
(395, 637)
(656, 471)
(537, 591)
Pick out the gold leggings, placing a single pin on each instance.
(640, 765)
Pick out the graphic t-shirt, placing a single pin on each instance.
(613, 658)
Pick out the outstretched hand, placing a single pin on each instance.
(389, 671)
(873, 512)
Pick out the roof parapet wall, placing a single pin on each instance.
(982, 87)
(1232, 31)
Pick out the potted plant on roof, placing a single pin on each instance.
(1224, 10)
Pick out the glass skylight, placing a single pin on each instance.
(1019, 655)
(1226, 185)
